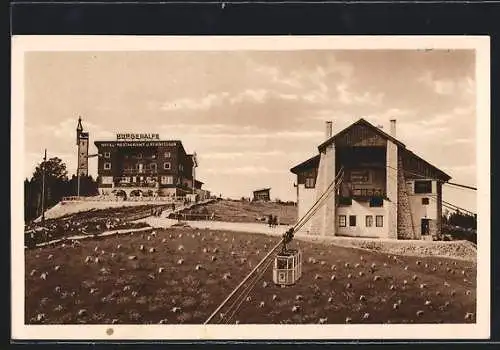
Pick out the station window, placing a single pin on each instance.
(423, 186)
(342, 220)
(425, 201)
(376, 202)
(107, 154)
(352, 220)
(345, 200)
(379, 221)
(310, 182)
(369, 220)
(166, 166)
(107, 166)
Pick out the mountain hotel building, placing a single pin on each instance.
(144, 165)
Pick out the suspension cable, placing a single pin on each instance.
(323, 200)
(315, 206)
(252, 282)
(318, 202)
(242, 282)
(248, 290)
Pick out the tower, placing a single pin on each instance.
(82, 141)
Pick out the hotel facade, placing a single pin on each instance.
(145, 166)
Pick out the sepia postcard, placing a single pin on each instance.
(262, 188)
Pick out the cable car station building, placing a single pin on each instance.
(386, 191)
(136, 165)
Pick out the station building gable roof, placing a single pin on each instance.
(375, 136)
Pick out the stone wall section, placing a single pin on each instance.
(392, 189)
(405, 229)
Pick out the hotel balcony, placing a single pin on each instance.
(136, 184)
(140, 171)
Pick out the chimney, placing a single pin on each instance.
(328, 130)
(393, 128)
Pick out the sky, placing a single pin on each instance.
(252, 115)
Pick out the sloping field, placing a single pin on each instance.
(181, 275)
(244, 211)
(67, 208)
(89, 222)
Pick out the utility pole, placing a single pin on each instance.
(43, 186)
(78, 183)
(195, 164)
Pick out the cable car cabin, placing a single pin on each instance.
(287, 267)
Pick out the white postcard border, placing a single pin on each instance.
(22, 44)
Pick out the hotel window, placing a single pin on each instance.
(369, 221)
(342, 220)
(166, 155)
(107, 166)
(423, 186)
(310, 182)
(352, 220)
(167, 180)
(125, 179)
(379, 221)
(107, 180)
(425, 201)
(166, 166)
(107, 154)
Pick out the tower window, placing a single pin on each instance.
(425, 201)
(166, 166)
(379, 221)
(107, 154)
(107, 166)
